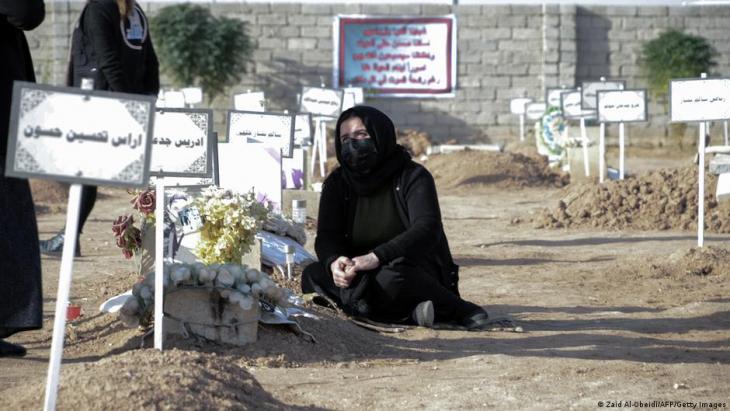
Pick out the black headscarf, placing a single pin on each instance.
(391, 156)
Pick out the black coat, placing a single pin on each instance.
(101, 50)
(20, 266)
(423, 242)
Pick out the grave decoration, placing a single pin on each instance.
(236, 283)
(128, 236)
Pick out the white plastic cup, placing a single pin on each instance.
(299, 211)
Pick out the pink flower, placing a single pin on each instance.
(144, 202)
(127, 253)
(121, 242)
(120, 225)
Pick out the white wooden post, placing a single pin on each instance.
(621, 149)
(602, 153)
(584, 143)
(159, 263)
(64, 287)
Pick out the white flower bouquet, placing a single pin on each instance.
(230, 224)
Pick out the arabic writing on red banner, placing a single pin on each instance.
(397, 56)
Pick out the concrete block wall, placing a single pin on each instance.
(504, 51)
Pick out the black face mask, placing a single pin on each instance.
(361, 156)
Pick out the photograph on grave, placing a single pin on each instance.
(319, 101)
(699, 99)
(293, 171)
(244, 167)
(622, 106)
(182, 145)
(274, 129)
(80, 136)
(590, 88)
(303, 134)
(251, 101)
(396, 56)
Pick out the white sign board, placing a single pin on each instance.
(303, 129)
(321, 101)
(622, 106)
(570, 104)
(79, 136)
(174, 99)
(590, 88)
(274, 129)
(517, 105)
(699, 100)
(193, 95)
(182, 143)
(244, 167)
(552, 96)
(535, 111)
(253, 101)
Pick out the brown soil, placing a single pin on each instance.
(416, 142)
(148, 379)
(49, 196)
(466, 171)
(659, 200)
(635, 315)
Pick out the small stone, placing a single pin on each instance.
(680, 386)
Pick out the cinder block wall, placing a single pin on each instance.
(503, 52)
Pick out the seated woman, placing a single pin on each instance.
(381, 246)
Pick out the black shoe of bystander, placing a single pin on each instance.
(11, 350)
(54, 245)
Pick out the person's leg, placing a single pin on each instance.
(88, 199)
(316, 280)
(397, 289)
(54, 245)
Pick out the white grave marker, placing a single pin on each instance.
(174, 99)
(552, 96)
(570, 105)
(303, 129)
(244, 167)
(193, 95)
(700, 100)
(251, 101)
(275, 129)
(518, 106)
(320, 101)
(590, 91)
(619, 106)
(182, 145)
(80, 137)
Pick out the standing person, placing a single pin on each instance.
(382, 250)
(111, 49)
(21, 300)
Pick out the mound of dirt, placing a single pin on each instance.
(660, 200)
(416, 142)
(467, 170)
(149, 379)
(695, 261)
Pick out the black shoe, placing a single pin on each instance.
(423, 314)
(11, 350)
(54, 245)
(476, 321)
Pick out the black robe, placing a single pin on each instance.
(21, 300)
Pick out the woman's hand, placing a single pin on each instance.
(340, 275)
(363, 263)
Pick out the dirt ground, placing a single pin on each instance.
(609, 316)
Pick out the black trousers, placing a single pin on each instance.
(388, 293)
(88, 199)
